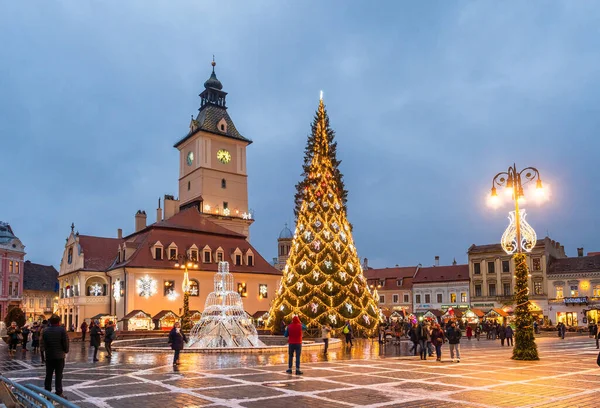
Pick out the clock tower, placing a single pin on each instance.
(212, 163)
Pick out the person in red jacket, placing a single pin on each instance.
(294, 334)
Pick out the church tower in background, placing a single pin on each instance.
(212, 163)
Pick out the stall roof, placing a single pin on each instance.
(478, 312)
(259, 314)
(497, 311)
(135, 312)
(435, 312)
(163, 313)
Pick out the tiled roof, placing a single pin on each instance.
(188, 228)
(397, 272)
(451, 273)
(39, 277)
(476, 249)
(207, 120)
(98, 252)
(135, 312)
(575, 264)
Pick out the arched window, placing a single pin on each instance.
(194, 288)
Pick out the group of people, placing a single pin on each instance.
(20, 335)
(427, 335)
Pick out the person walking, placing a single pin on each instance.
(469, 333)
(325, 334)
(25, 336)
(424, 336)
(294, 334)
(347, 330)
(55, 342)
(502, 334)
(454, 334)
(478, 332)
(13, 332)
(177, 341)
(84, 329)
(438, 339)
(42, 349)
(412, 334)
(95, 333)
(109, 336)
(509, 335)
(35, 337)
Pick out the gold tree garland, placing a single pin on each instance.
(322, 281)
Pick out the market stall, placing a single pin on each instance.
(195, 316)
(432, 315)
(137, 320)
(472, 316)
(103, 319)
(496, 315)
(451, 315)
(165, 320)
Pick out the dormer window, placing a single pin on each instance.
(206, 255)
(220, 253)
(119, 257)
(193, 253)
(222, 126)
(237, 257)
(400, 281)
(157, 251)
(172, 251)
(249, 258)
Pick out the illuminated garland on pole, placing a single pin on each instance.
(322, 281)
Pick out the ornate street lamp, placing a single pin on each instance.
(185, 262)
(519, 237)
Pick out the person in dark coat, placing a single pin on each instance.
(109, 336)
(437, 339)
(177, 340)
(95, 333)
(25, 333)
(412, 333)
(453, 334)
(509, 335)
(424, 336)
(502, 334)
(13, 333)
(55, 342)
(84, 329)
(35, 336)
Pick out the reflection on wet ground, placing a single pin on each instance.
(365, 376)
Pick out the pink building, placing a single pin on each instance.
(12, 252)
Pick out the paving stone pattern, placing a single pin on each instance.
(486, 377)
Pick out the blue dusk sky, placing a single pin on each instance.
(429, 100)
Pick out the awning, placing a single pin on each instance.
(496, 312)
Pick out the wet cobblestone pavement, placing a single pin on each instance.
(566, 376)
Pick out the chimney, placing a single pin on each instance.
(365, 264)
(120, 233)
(437, 260)
(579, 251)
(171, 206)
(140, 220)
(159, 212)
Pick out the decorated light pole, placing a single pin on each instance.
(185, 262)
(519, 237)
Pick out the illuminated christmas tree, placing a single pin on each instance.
(322, 281)
(525, 347)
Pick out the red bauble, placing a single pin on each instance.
(323, 184)
(318, 194)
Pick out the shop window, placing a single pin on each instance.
(406, 298)
(492, 289)
(427, 298)
(476, 268)
(263, 292)
(417, 299)
(596, 292)
(439, 298)
(194, 288)
(559, 292)
(506, 289)
(169, 287)
(537, 264)
(463, 297)
(505, 266)
(491, 267)
(574, 291)
(537, 288)
(381, 298)
(395, 298)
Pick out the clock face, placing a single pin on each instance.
(223, 156)
(190, 158)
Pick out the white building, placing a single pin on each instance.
(441, 287)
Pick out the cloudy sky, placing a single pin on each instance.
(429, 101)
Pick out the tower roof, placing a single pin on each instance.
(213, 82)
(286, 233)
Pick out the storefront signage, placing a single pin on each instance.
(461, 306)
(483, 305)
(576, 300)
